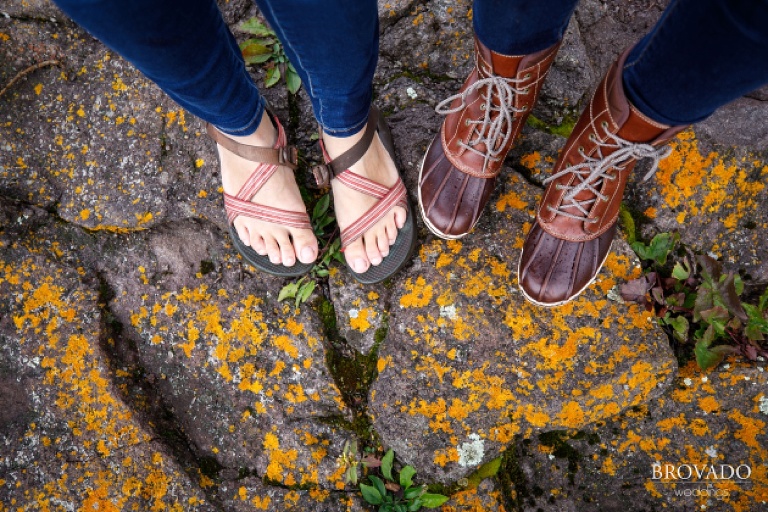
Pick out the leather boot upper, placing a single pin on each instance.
(483, 119)
(577, 215)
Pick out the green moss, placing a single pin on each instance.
(514, 483)
(209, 467)
(627, 223)
(558, 441)
(352, 372)
(563, 129)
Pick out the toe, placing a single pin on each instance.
(305, 246)
(400, 216)
(390, 229)
(382, 242)
(273, 249)
(242, 232)
(371, 247)
(356, 257)
(259, 246)
(287, 255)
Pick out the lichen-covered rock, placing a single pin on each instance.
(715, 418)
(244, 375)
(361, 311)
(250, 495)
(42, 10)
(715, 199)
(468, 363)
(87, 136)
(569, 81)
(69, 440)
(485, 496)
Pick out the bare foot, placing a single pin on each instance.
(284, 245)
(376, 165)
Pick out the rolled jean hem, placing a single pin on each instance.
(346, 132)
(251, 126)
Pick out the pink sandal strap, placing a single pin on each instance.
(388, 199)
(240, 204)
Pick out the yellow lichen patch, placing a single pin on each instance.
(360, 319)
(419, 294)
(111, 462)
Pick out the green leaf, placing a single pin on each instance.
(370, 494)
(707, 358)
(717, 317)
(413, 492)
(351, 475)
(406, 476)
(292, 80)
(322, 272)
(763, 302)
(321, 207)
(256, 27)
(386, 464)
(415, 505)
(679, 325)
(433, 500)
(255, 51)
(680, 273)
(659, 248)
(379, 484)
(400, 508)
(288, 291)
(273, 76)
(305, 290)
(738, 282)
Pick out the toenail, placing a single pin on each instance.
(308, 254)
(375, 261)
(359, 265)
(274, 259)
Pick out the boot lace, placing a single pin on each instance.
(592, 171)
(495, 128)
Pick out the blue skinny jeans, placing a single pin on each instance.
(701, 55)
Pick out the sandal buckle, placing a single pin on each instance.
(288, 156)
(322, 175)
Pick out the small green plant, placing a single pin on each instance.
(265, 48)
(398, 495)
(301, 289)
(697, 303)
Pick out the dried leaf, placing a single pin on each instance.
(731, 298)
(635, 290)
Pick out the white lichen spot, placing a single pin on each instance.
(687, 381)
(471, 453)
(551, 457)
(726, 366)
(763, 404)
(448, 312)
(353, 313)
(711, 451)
(614, 295)
(411, 93)
(704, 379)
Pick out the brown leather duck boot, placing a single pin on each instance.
(459, 171)
(577, 217)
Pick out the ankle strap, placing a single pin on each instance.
(286, 155)
(323, 173)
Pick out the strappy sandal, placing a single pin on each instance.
(400, 252)
(240, 204)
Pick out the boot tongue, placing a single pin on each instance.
(492, 63)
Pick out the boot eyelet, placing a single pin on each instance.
(482, 106)
(526, 90)
(525, 107)
(527, 76)
(592, 137)
(604, 124)
(466, 122)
